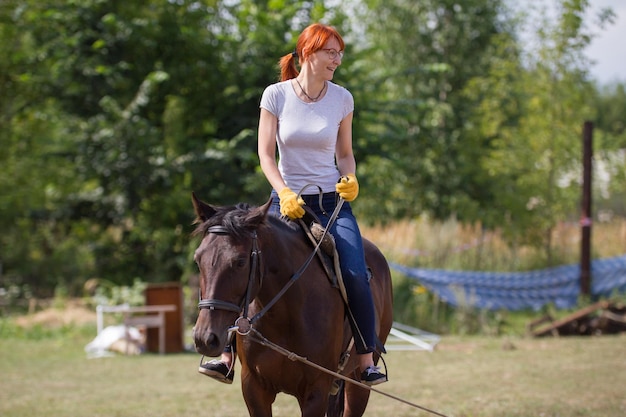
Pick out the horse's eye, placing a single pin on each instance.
(240, 262)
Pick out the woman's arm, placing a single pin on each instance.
(268, 123)
(344, 153)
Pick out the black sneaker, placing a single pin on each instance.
(372, 376)
(218, 370)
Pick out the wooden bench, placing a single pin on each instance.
(152, 316)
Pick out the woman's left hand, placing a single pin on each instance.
(347, 187)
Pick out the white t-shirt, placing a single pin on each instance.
(307, 134)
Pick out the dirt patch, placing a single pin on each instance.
(73, 312)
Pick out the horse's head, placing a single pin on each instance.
(230, 270)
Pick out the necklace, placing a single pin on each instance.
(313, 99)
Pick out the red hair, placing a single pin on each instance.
(311, 40)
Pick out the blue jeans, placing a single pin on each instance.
(349, 243)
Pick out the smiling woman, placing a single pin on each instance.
(308, 119)
(314, 39)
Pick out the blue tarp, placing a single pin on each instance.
(521, 290)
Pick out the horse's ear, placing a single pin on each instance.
(203, 210)
(266, 207)
(258, 215)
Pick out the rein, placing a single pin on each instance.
(259, 338)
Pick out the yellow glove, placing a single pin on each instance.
(290, 204)
(347, 187)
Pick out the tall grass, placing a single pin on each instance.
(454, 246)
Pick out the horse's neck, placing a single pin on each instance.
(293, 289)
(285, 253)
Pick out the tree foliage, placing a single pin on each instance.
(535, 155)
(423, 54)
(113, 112)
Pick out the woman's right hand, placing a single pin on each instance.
(290, 204)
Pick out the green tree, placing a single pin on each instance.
(132, 105)
(113, 112)
(535, 155)
(422, 54)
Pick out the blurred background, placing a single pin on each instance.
(467, 128)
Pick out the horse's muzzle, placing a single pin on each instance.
(208, 343)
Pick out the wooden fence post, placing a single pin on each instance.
(585, 219)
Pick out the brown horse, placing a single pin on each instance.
(246, 257)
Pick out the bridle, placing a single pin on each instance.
(255, 256)
(243, 325)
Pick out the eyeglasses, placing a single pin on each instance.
(333, 53)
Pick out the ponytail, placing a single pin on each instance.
(288, 68)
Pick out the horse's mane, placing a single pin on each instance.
(233, 219)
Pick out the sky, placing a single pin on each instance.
(608, 49)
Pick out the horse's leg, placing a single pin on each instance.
(335, 402)
(314, 404)
(258, 399)
(355, 401)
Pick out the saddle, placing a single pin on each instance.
(328, 256)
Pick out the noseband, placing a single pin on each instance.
(255, 255)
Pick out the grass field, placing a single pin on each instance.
(45, 373)
(464, 377)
